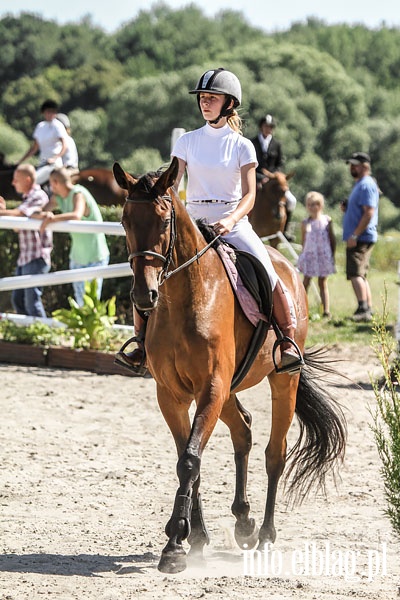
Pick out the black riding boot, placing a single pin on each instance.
(135, 360)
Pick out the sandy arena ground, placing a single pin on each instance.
(88, 480)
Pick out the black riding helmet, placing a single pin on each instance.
(220, 81)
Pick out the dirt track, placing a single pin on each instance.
(88, 480)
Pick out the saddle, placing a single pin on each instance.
(253, 290)
(251, 276)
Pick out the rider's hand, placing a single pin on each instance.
(224, 226)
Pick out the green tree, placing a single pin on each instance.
(12, 143)
(28, 44)
(22, 100)
(89, 132)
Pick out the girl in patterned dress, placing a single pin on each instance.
(318, 256)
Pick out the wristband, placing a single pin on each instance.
(354, 237)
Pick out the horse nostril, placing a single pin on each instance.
(153, 296)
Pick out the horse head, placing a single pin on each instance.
(276, 188)
(149, 221)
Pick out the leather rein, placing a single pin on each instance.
(167, 259)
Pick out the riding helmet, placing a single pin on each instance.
(64, 120)
(220, 81)
(268, 120)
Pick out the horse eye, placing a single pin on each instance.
(166, 224)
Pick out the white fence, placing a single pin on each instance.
(67, 276)
(70, 275)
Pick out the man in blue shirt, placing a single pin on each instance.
(360, 231)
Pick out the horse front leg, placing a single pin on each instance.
(283, 390)
(199, 536)
(178, 528)
(176, 415)
(238, 420)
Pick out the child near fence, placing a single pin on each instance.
(318, 256)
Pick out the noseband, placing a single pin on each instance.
(164, 259)
(167, 259)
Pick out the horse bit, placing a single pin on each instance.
(167, 260)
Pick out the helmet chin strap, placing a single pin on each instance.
(215, 121)
(225, 112)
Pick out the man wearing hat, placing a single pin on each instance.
(268, 149)
(270, 159)
(360, 223)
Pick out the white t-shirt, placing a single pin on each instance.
(48, 135)
(214, 158)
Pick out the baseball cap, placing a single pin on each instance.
(358, 158)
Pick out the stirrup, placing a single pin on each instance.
(121, 359)
(293, 367)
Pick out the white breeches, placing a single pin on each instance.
(242, 236)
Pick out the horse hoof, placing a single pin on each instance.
(246, 535)
(172, 562)
(266, 537)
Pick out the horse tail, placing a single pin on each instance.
(321, 444)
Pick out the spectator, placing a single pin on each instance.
(34, 247)
(76, 203)
(268, 148)
(70, 159)
(318, 256)
(50, 140)
(360, 223)
(270, 159)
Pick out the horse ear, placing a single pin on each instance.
(168, 178)
(120, 176)
(290, 175)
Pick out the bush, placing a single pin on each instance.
(35, 334)
(90, 324)
(386, 419)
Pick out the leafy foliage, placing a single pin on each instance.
(36, 334)
(333, 89)
(90, 324)
(386, 420)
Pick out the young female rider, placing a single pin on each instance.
(221, 189)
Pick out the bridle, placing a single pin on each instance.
(167, 259)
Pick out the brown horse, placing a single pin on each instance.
(196, 337)
(269, 212)
(99, 181)
(101, 184)
(7, 190)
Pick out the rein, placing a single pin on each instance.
(167, 260)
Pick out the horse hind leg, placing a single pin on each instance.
(283, 390)
(238, 420)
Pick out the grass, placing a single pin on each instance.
(340, 328)
(383, 282)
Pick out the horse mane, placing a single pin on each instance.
(207, 231)
(147, 181)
